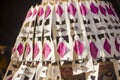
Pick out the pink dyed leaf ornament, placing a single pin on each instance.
(36, 50)
(107, 46)
(61, 49)
(46, 50)
(40, 11)
(93, 50)
(35, 12)
(47, 11)
(20, 49)
(93, 8)
(59, 10)
(102, 10)
(83, 9)
(28, 49)
(29, 14)
(71, 9)
(79, 47)
(110, 11)
(117, 45)
(13, 50)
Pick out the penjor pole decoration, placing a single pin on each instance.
(70, 33)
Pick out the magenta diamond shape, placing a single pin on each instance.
(83, 9)
(46, 50)
(94, 9)
(20, 49)
(93, 50)
(36, 50)
(35, 11)
(47, 11)
(62, 49)
(112, 12)
(59, 10)
(71, 9)
(40, 11)
(108, 10)
(117, 45)
(79, 47)
(28, 49)
(107, 46)
(29, 13)
(102, 10)
(14, 49)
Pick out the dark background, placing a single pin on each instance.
(12, 14)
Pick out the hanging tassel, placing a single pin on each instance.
(48, 46)
(39, 34)
(63, 38)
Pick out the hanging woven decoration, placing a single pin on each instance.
(59, 36)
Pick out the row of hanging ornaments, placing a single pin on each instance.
(80, 32)
(68, 31)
